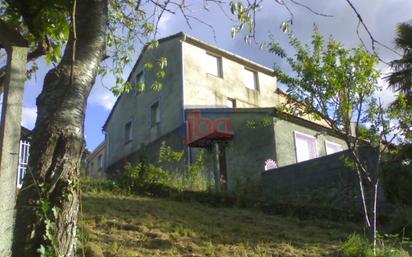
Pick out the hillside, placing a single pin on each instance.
(143, 226)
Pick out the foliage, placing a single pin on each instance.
(44, 24)
(136, 178)
(401, 77)
(330, 82)
(357, 246)
(397, 181)
(338, 86)
(168, 172)
(247, 190)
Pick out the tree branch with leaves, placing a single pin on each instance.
(339, 86)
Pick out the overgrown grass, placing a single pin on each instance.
(356, 246)
(143, 226)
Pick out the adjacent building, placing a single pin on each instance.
(95, 162)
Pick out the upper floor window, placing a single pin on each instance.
(140, 82)
(128, 133)
(214, 65)
(305, 147)
(154, 114)
(231, 103)
(251, 79)
(100, 161)
(332, 147)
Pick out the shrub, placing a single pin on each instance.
(397, 181)
(357, 246)
(138, 177)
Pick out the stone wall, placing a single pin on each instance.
(323, 182)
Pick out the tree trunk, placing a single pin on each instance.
(48, 204)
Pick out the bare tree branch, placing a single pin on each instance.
(310, 9)
(374, 42)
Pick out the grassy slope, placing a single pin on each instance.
(142, 226)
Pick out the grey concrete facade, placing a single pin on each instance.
(191, 86)
(187, 85)
(321, 182)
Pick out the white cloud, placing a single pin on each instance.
(164, 23)
(386, 95)
(102, 97)
(29, 115)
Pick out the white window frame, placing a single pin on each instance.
(295, 133)
(332, 143)
(255, 79)
(128, 136)
(219, 65)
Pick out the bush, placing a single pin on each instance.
(397, 181)
(97, 186)
(357, 246)
(141, 176)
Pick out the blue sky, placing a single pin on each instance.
(381, 16)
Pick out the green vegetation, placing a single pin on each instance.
(169, 172)
(357, 246)
(117, 225)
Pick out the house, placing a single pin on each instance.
(215, 100)
(95, 162)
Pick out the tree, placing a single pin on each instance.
(401, 78)
(338, 86)
(87, 30)
(47, 206)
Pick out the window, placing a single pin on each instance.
(140, 82)
(214, 65)
(305, 147)
(231, 103)
(332, 147)
(128, 136)
(251, 79)
(154, 114)
(100, 161)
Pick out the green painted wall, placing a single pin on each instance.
(285, 140)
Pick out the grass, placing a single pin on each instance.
(142, 226)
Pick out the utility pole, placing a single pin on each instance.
(13, 87)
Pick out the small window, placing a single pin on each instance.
(154, 114)
(214, 65)
(251, 79)
(128, 136)
(305, 147)
(231, 103)
(332, 147)
(100, 161)
(140, 82)
(91, 166)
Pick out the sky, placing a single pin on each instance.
(381, 17)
